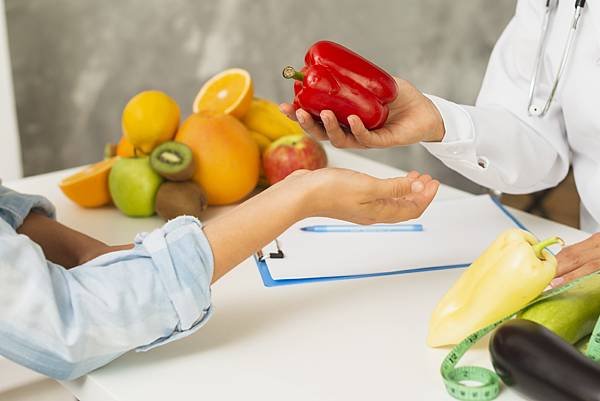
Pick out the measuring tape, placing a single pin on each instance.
(489, 382)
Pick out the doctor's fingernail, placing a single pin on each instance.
(557, 282)
(417, 186)
(300, 117)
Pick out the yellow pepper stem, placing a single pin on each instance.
(540, 246)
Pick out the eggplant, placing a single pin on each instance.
(541, 365)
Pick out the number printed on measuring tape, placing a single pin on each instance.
(488, 387)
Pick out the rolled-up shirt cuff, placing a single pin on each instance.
(184, 261)
(66, 323)
(459, 139)
(15, 206)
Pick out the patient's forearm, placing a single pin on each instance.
(252, 225)
(233, 236)
(61, 244)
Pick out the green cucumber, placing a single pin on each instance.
(572, 314)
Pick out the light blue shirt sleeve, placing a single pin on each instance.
(66, 323)
(14, 206)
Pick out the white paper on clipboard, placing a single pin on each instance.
(454, 232)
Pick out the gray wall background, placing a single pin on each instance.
(77, 62)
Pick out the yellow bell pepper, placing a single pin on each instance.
(513, 271)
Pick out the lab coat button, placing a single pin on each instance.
(483, 162)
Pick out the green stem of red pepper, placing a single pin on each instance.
(540, 246)
(290, 73)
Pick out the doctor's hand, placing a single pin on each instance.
(412, 118)
(578, 260)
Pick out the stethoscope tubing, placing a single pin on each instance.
(551, 5)
(532, 110)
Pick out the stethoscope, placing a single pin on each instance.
(551, 5)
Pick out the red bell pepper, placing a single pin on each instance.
(337, 79)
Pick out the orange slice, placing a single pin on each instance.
(89, 187)
(228, 92)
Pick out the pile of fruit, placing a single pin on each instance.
(231, 142)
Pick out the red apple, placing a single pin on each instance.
(290, 153)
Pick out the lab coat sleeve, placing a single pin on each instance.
(496, 143)
(66, 323)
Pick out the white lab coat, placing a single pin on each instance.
(498, 145)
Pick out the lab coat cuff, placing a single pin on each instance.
(184, 261)
(459, 138)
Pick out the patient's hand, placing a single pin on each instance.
(359, 198)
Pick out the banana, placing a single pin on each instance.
(265, 118)
(263, 143)
(261, 140)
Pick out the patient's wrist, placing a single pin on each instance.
(99, 250)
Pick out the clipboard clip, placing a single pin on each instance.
(272, 255)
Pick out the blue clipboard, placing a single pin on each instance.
(269, 281)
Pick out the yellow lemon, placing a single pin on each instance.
(149, 119)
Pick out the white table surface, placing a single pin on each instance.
(344, 340)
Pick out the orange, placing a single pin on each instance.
(124, 148)
(149, 119)
(89, 187)
(228, 92)
(227, 158)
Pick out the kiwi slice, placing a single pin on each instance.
(173, 160)
(180, 198)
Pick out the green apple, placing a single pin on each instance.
(133, 186)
